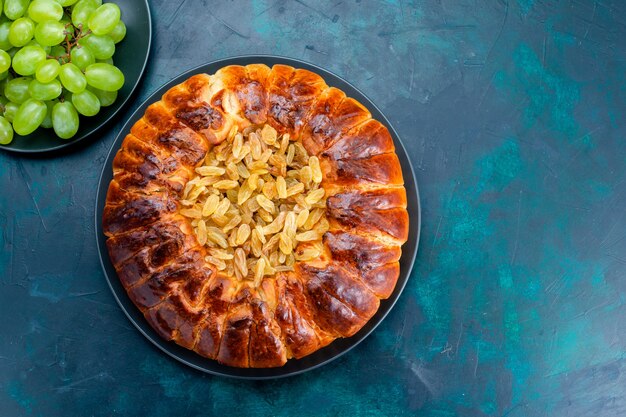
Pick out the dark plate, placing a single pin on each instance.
(293, 366)
(131, 56)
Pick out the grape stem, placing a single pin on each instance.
(71, 42)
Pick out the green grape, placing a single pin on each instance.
(6, 131)
(5, 61)
(47, 121)
(29, 116)
(9, 111)
(16, 90)
(47, 70)
(3, 101)
(104, 19)
(14, 9)
(35, 43)
(64, 120)
(4, 36)
(104, 77)
(82, 11)
(72, 78)
(21, 31)
(41, 10)
(27, 59)
(119, 32)
(7, 77)
(105, 61)
(82, 57)
(86, 103)
(66, 3)
(12, 52)
(106, 98)
(58, 51)
(43, 92)
(102, 47)
(4, 75)
(50, 33)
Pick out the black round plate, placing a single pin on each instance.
(131, 56)
(293, 366)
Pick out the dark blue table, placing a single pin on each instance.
(514, 114)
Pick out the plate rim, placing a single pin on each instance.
(169, 347)
(106, 122)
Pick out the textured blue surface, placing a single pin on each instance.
(515, 115)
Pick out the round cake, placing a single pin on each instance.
(256, 215)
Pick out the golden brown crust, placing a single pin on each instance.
(364, 140)
(376, 170)
(393, 222)
(136, 211)
(374, 263)
(217, 303)
(234, 347)
(291, 92)
(296, 320)
(378, 199)
(291, 315)
(331, 117)
(191, 104)
(342, 305)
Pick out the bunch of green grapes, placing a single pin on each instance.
(56, 63)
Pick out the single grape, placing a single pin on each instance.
(7, 77)
(41, 10)
(9, 111)
(106, 98)
(82, 57)
(119, 32)
(102, 47)
(58, 51)
(21, 31)
(29, 116)
(5, 44)
(16, 90)
(27, 59)
(64, 120)
(6, 131)
(34, 42)
(43, 92)
(72, 78)
(104, 19)
(104, 77)
(47, 70)
(50, 33)
(66, 3)
(86, 103)
(14, 9)
(47, 121)
(82, 11)
(5, 61)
